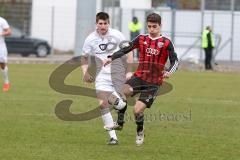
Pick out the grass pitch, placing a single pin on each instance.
(198, 120)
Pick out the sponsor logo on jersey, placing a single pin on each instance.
(151, 51)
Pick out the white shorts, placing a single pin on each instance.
(109, 83)
(3, 59)
(104, 86)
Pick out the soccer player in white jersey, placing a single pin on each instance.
(4, 31)
(103, 42)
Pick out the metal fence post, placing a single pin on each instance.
(232, 29)
(85, 23)
(173, 26)
(113, 14)
(52, 29)
(202, 26)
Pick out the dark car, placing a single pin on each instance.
(18, 43)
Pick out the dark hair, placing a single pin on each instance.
(102, 15)
(134, 19)
(154, 18)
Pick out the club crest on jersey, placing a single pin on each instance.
(110, 46)
(160, 44)
(103, 47)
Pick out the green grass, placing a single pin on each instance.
(29, 129)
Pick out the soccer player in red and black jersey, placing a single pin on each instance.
(155, 50)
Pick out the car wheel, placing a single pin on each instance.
(42, 50)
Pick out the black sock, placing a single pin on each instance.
(121, 113)
(139, 121)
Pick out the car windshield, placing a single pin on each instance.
(16, 32)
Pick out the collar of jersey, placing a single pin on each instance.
(154, 38)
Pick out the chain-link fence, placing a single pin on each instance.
(183, 22)
(56, 24)
(17, 13)
(185, 26)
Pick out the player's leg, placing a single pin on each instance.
(4, 68)
(127, 90)
(139, 119)
(146, 99)
(120, 105)
(106, 115)
(118, 83)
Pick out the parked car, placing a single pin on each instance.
(19, 43)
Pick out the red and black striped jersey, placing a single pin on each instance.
(153, 55)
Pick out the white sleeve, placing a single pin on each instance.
(5, 24)
(121, 37)
(87, 48)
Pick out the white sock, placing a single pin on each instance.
(5, 75)
(117, 101)
(108, 121)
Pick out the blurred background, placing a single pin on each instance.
(65, 24)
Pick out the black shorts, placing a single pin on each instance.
(148, 92)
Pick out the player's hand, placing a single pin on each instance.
(129, 75)
(107, 61)
(166, 74)
(88, 78)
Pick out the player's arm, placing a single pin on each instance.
(122, 51)
(118, 54)
(84, 65)
(173, 61)
(129, 65)
(87, 50)
(6, 32)
(6, 29)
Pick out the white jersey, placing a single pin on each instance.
(100, 47)
(3, 49)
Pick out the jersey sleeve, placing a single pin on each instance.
(172, 58)
(5, 24)
(87, 47)
(135, 42)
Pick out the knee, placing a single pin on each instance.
(127, 90)
(104, 104)
(139, 108)
(137, 111)
(2, 65)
